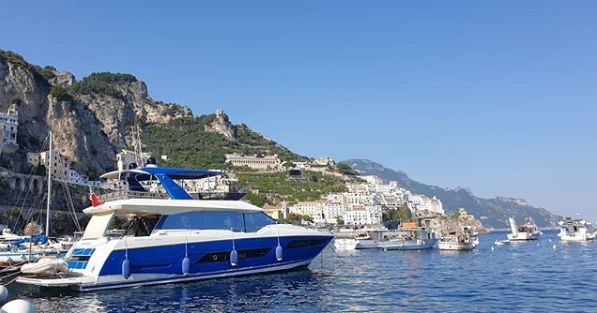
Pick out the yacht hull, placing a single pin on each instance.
(164, 264)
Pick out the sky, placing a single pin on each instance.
(496, 96)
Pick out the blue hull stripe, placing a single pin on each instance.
(168, 259)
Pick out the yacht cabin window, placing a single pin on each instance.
(203, 220)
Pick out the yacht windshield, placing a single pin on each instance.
(202, 220)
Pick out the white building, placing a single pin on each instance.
(262, 163)
(362, 215)
(60, 164)
(9, 124)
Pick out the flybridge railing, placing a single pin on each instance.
(123, 195)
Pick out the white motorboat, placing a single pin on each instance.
(575, 230)
(345, 244)
(526, 231)
(170, 237)
(412, 239)
(502, 242)
(45, 266)
(369, 237)
(459, 240)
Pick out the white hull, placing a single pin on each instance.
(366, 244)
(523, 236)
(84, 283)
(406, 244)
(455, 246)
(345, 244)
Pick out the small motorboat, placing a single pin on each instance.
(502, 242)
(345, 244)
(576, 230)
(526, 231)
(45, 266)
(459, 241)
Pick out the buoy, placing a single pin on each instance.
(126, 268)
(186, 265)
(3, 294)
(18, 306)
(233, 255)
(554, 246)
(549, 239)
(492, 248)
(279, 251)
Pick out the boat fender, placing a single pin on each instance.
(233, 255)
(3, 294)
(186, 265)
(18, 306)
(279, 252)
(126, 268)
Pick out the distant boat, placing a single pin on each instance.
(459, 241)
(345, 244)
(526, 231)
(575, 230)
(369, 237)
(415, 239)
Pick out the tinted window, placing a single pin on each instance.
(254, 221)
(203, 220)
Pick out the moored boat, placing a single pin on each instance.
(146, 238)
(411, 238)
(526, 231)
(575, 230)
(458, 240)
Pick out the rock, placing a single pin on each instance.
(221, 125)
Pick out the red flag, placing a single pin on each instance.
(95, 201)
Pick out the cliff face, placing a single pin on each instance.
(91, 119)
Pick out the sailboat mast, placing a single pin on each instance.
(49, 187)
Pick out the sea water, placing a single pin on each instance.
(521, 277)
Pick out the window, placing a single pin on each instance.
(235, 221)
(203, 220)
(254, 221)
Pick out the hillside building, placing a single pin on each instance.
(260, 163)
(9, 124)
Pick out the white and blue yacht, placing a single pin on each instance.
(142, 238)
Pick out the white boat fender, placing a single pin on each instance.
(186, 262)
(18, 306)
(126, 264)
(233, 255)
(279, 251)
(126, 268)
(3, 294)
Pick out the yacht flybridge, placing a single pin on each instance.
(142, 237)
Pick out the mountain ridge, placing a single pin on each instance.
(493, 212)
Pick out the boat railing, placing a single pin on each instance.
(127, 194)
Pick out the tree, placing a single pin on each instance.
(339, 221)
(289, 164)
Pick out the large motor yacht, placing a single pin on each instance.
(137, 237)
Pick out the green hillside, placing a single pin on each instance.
(187, 144)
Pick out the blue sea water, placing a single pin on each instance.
(522, 277)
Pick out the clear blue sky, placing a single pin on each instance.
(497, 96)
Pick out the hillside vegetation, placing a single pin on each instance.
(187, 144)
(271, 188)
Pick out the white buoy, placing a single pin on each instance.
(18, 306)
(549, 239)
(554, 246)
(492, 248)
(3, 294)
